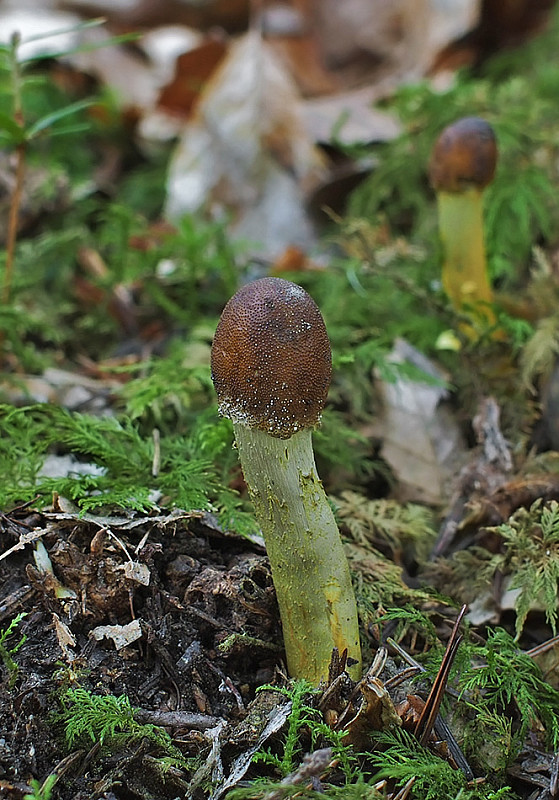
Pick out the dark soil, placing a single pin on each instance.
(209, 635)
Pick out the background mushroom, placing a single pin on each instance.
(271, 368)
(462, 164)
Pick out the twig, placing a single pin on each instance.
(554, 777)
(539, 649)
(433, 703)
(440, 726)
(176, 719)
(13, 218)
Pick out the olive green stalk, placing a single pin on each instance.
(309, 566)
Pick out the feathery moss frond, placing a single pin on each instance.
(506, 676)
(110, 721)
(403, 758)
(114, 461)
(531, 558)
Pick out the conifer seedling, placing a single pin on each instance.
(462, 164)
(271, 368)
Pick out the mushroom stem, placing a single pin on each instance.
(309, 566)
(464, 272)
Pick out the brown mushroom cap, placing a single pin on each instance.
(271, 358)
(465, 154)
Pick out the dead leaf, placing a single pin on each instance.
(122, 635)
(377, 713)
(294, 37)
(247, 150)
(480, 484)
(167, 43)
(133, 80)
(137, 572)
(349, 118)
(506, 499)
(421, 440)
(294, 260)
(312, 767)
(38, 24)
(392, 41)
(276, 719)
(192, 71)
(66, 638)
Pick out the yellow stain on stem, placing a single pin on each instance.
(464, 272)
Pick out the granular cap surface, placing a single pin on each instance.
(271, 358)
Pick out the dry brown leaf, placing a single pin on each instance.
(192, 71)
(247, 151)
(377, 713)
(65, 637)
(290, 31)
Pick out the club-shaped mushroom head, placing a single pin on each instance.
(464, 156)
(271, 358)
(462, 164)
(271, 367)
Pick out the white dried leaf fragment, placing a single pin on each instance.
(122, 635)
(137, 572)
(247, 150)
(422, 441)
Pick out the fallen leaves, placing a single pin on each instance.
(247, 150)
(422, 441)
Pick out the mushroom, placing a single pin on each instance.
(271, 368)
(462, 164)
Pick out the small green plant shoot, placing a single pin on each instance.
(7, 653)
(41, 791)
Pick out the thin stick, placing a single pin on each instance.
(433, 703)
(13, 219)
